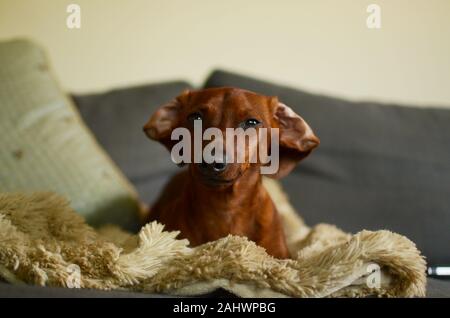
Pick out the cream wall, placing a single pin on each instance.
(319, 45)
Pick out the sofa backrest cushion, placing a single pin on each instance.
(378, 166)
(117, 118)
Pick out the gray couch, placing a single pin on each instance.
(378, 166)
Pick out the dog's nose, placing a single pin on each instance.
(219, 166)
(214, 167)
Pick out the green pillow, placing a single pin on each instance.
(45, 146)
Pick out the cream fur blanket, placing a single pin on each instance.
(44, 242)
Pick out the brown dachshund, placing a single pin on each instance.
(208, 201)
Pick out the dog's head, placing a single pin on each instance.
(224, 108)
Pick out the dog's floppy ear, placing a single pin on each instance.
(296, 141)
(165, 120)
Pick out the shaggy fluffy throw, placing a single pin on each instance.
(44, 242)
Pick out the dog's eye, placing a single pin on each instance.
(195, 116)
(250, 123)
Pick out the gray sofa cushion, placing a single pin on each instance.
(435, 288)
(117, 118)
(378, 166)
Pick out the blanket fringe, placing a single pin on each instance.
(44, 242)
